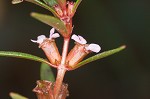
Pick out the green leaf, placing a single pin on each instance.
(50, 2)
(99, 56)
(17, 96)
(51, 21)
(76, 5)
(37, 2)
(46, 73)
(23, 55)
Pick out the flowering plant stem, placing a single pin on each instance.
(61, 69)
(63, 11)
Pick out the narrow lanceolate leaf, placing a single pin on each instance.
(23, 55)
(46, 73)
(51, 21)
(17, 96)
(99, 56)
(76, 5)
(37, 2)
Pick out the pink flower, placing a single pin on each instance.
(92, 47)
(49, 47)
(41, 38)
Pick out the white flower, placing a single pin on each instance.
(92, 47)
(79, 39)
(52, 34)
(41, 38)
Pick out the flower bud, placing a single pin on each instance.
(51, 51)
(70, 8)
(45, 90)
(76, 55)
(58, 10)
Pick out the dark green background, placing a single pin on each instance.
(110, 23)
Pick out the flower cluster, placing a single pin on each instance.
(78, 52)
(62, 10)
(65, 13)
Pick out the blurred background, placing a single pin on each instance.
(109, 23)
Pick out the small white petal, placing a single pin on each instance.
(83, 41)
(93, 47)
(51, 32)
(75, 37)
(79, 39)
(33, 41)
(55, 35)
(40, 39)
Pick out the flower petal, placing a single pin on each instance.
(35, 41)
(93, 47)
(79, 39)
(83, 41)
(75, 37)
(55, 35)
(51, 32)
(40, 39)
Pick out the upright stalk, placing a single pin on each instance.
(65, 50)
(61, 69)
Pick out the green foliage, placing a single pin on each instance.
(50, 2)
(51, 21)
(76, 5)
(100, 56)
(37, 2)
(46, 73)
(23, 55)
(17, 96)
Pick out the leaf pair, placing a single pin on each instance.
(48, 4)
(46, 72)
(36, 58)
(50, 20)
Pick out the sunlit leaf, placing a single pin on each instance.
(23, 55)
(51, 21)
(76, 5)
(46, 73)
(100, 56)
(17, 96)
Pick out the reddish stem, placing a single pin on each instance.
(65, 50)
(61, 69)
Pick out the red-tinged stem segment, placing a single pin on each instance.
(61, 69)
(59, 80)
(65, 50)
